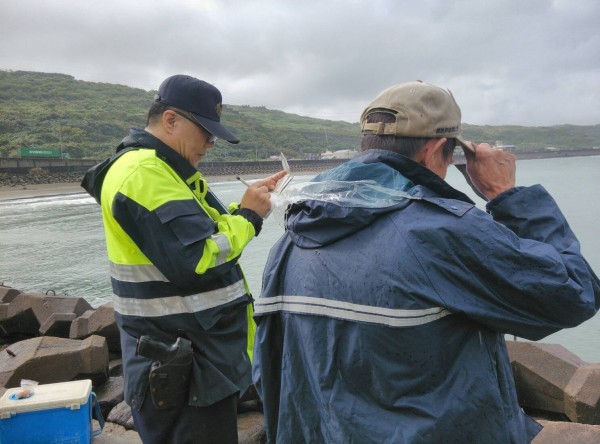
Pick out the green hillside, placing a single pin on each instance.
(88, 119)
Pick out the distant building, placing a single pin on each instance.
(502, 146)
(340, 154)
(311, 156)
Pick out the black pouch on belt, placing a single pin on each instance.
(170, 372)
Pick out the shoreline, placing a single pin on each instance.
(33, 190)
(25, 190)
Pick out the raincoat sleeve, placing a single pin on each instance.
(525, 270)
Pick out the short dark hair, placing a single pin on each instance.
(156, 111)
(407, 146)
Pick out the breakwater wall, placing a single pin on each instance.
(261, 168)
(13, 165)
(545, 154)
(67, 170)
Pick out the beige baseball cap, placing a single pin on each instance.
(421, 110)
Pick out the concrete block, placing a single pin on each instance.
(550, 378)
(49, 359)
(567, 433)
(15, 321)
(7, 294)
(583, 395)
(27, 312)
(101, 322)
(57, 324)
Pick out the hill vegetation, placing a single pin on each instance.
(88, 120)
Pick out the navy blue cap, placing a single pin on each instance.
(199, 98)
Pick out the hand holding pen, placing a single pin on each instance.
(257, 196)
(243, 181)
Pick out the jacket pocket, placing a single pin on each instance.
(188, 222)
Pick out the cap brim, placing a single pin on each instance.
(465, 145)
(216, 128)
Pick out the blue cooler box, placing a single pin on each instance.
(55, 413)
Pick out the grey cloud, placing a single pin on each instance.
(507, 62)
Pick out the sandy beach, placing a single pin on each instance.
(38, 190)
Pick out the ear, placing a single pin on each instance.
(433, 152)
(169, 120)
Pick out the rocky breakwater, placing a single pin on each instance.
(39, 176)
(52, 338)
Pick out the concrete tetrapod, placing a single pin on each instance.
(552, 379)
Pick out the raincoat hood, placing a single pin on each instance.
(345, 199)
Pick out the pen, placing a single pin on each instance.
(242, 180)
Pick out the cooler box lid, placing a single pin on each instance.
(72, 394)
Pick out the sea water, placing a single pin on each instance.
(56, 244)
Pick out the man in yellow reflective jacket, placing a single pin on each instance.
(173, 251)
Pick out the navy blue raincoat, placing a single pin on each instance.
(386, 301)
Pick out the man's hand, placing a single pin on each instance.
(257, 197)
(492, 171)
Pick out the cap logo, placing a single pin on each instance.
(218, 109)
(451, 129)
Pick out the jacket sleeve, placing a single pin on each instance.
(524, 270)
(175, 231)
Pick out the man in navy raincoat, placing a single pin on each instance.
(386, 301)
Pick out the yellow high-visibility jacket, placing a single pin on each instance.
(174, 267)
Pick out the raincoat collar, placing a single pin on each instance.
(415, 172)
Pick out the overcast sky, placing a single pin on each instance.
(521, 62)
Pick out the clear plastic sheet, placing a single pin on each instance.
(363, 194)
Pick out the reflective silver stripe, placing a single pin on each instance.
(348, 311)
(172, 305)
(136, 273)
(224, 247)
